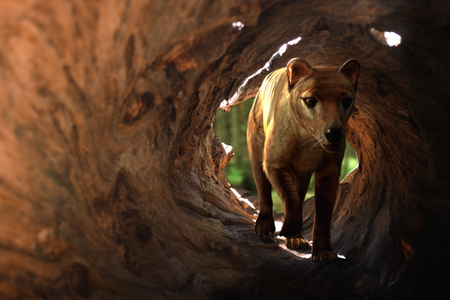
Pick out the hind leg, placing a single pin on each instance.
(296, 242)
(292, 190)
(302, 184)
(286, 184)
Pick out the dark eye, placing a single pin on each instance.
(310, 102)
(347, 102)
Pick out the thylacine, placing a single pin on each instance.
(297, 109)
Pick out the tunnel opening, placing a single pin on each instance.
(231, 127)
(380, 178)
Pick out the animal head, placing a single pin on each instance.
(322, 99)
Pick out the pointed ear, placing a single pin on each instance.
(296, 70)
(351, 69)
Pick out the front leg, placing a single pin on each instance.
(325, 195)
(264, 225)
(284, 182)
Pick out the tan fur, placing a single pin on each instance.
(289, 140)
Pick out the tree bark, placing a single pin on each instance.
(110, 180)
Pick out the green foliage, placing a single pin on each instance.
(232, 129)
(234, 176)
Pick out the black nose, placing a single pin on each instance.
(334, 134)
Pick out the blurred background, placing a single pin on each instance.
(231, 127)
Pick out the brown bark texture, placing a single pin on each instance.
(110, 172)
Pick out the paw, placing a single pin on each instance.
(264, 225)
(323, 255)
(291, 226)
(296, 242)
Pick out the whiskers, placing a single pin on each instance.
(310, 142)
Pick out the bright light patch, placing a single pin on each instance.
(387, 38)
(238, 25)
(282, 49)
(294, 41)
(392, 38)
(226, 104)
(278, 225)
(242, 199)
(235, 193)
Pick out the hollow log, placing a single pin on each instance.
(110, 180)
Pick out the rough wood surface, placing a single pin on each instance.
(110, 180)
